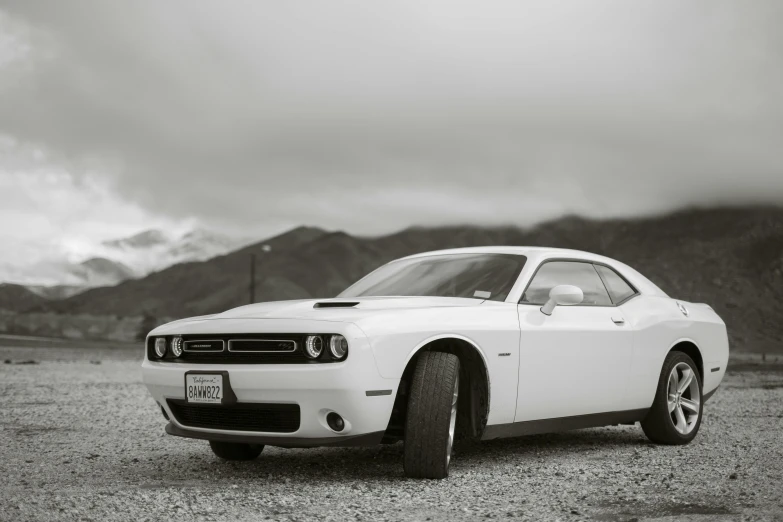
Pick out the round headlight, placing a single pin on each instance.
(314, 346)
(338, 345)
(160, 346)
(176, 346)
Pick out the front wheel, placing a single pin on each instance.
(432, 415)
(235, 450)
(676, 412)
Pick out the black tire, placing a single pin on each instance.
(427, 425)
(659, 424)
(235, 450)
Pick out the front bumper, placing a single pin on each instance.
(354, 389)
(369, 439)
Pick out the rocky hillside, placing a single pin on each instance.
(729, 258)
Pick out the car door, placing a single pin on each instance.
(575, 361)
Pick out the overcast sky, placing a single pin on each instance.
(255, 116)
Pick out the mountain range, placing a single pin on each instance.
(111, 262)
(731, 258)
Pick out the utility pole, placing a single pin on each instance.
(252, 278)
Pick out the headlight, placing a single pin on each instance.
(338, 345)
(176, 346)
(160, 347)
(314, 346)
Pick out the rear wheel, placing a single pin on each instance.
(675, 416)
(235, 450)
(432, 415)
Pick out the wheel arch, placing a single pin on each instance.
(692, 350)
(473, 409)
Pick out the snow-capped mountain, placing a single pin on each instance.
(111, 262)
(146, 239)
(154, 250)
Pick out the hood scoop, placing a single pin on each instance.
(336, 304)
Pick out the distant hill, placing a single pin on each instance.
(731, 258)
(17, 297)
(99, 271)
(55, 292)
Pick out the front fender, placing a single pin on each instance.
(493, 330)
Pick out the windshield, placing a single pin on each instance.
(480, 276)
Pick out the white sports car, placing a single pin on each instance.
(476, 343)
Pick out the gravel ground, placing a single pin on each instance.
(82, 440)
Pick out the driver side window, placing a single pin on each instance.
(554, 273)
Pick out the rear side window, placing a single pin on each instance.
(575, 273)
(619, 289)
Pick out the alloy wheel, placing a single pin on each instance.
(684, 398)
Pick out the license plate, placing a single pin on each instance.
(204, 387)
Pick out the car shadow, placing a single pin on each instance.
(575, 440)
(195, 465)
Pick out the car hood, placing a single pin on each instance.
(339, 309)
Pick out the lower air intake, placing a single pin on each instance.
(270, 418)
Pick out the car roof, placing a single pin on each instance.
(529, 251)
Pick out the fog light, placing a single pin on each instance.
(160, 347)
(335, 421)
(314, 346)
(338, 345)
(176, 346)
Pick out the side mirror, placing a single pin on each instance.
(562, 295)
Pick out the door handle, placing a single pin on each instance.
(618, 320)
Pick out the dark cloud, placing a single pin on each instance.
(371, 117)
